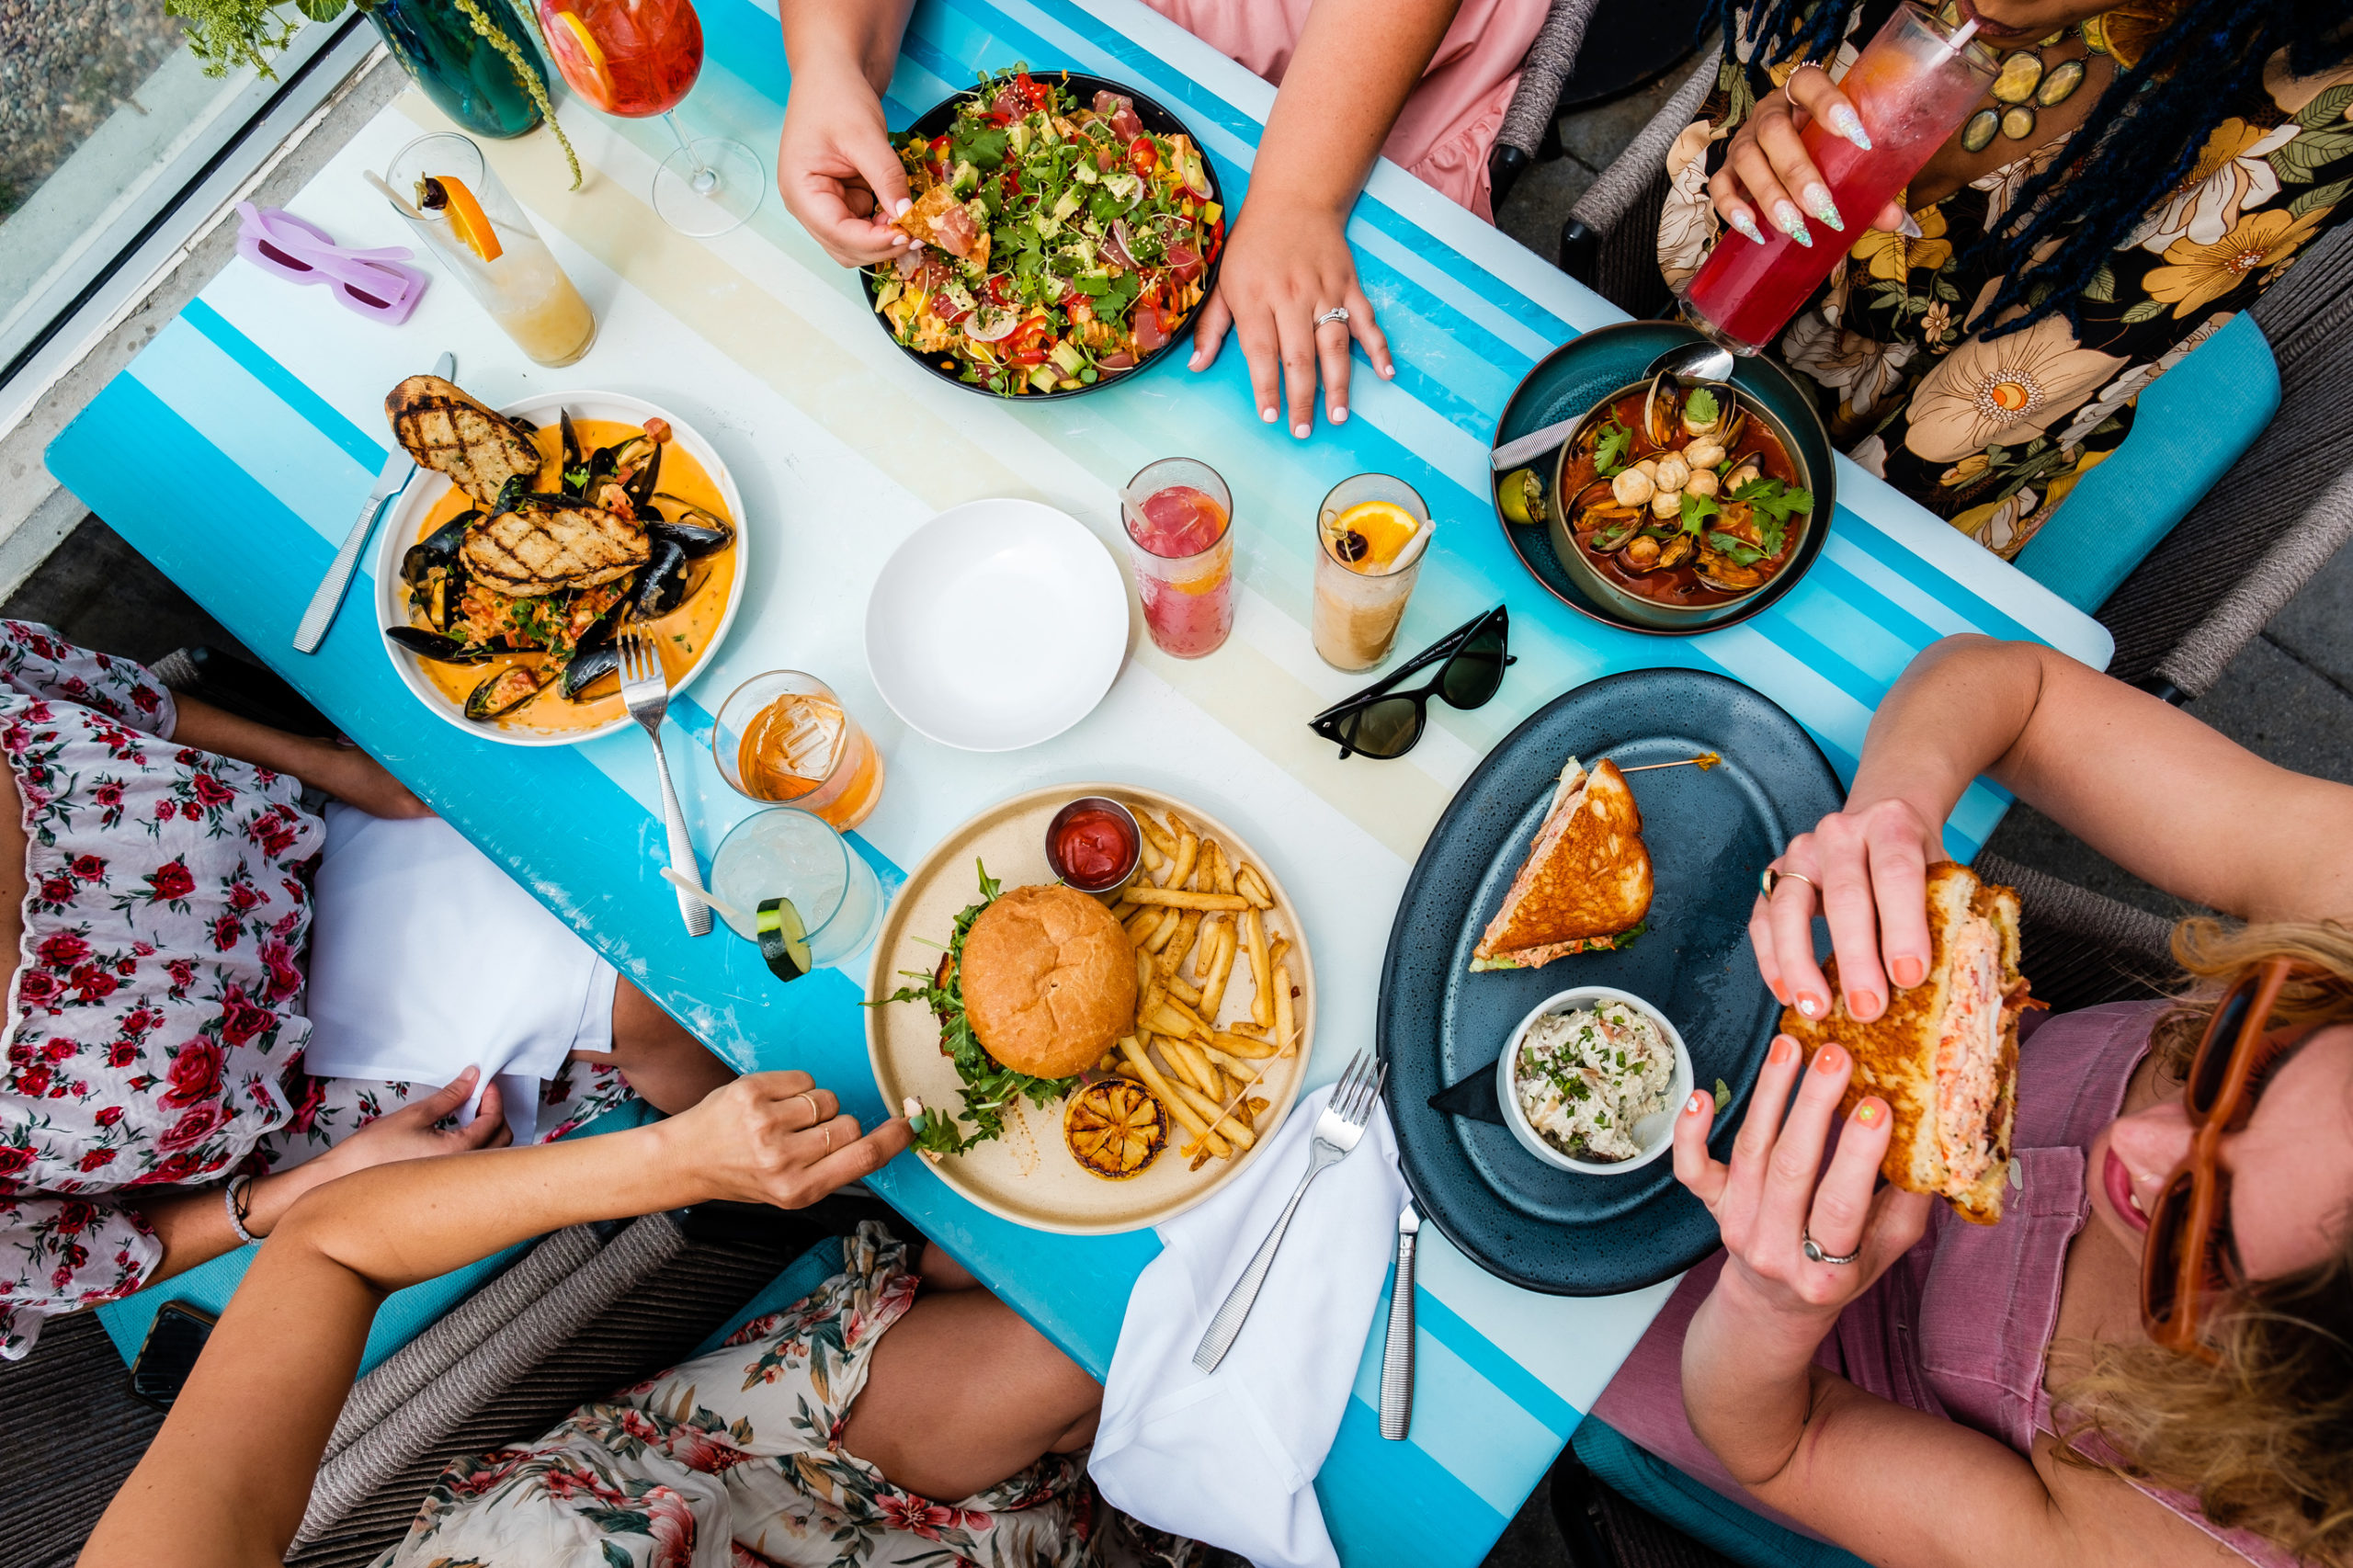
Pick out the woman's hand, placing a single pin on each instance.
(358, 779)
(1278, 275)
(1766, 171)
(1775, 1193)
(835, 167)
(411, 1132)
(777, 1137)
(1872, 867)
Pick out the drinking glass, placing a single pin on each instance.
(521, 284)
(1361, 589)
(636, 57)
(789, 853)
(1180, 518)
(785, 736)
(1912, 87)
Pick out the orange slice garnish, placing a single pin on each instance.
(468, 221)
(583, 43)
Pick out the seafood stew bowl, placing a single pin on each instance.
(1581, 381)
(1157, 119)
(405, 517)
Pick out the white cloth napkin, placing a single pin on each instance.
(1230, 1457)
(426, 958)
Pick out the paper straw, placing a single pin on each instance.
(727, 911)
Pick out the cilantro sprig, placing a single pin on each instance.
(1773, 505)
(990, 1087)
(1611, 450)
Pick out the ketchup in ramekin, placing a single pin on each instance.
(1093, 845)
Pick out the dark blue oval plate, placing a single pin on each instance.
(1441, 1027)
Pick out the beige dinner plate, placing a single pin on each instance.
(1028, 1175)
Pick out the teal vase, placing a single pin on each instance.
(465, 74)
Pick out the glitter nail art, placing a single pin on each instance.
(1790, 221)
(1848, 123)
(1818, 203)
(1747, 225)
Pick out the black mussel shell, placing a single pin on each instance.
(506, 691)
(528, 427)
(438, 548)
(511, 495)
(570, 444)
(641, 484)
(440, 649)
(599, 656)
(665, 582)
(700, 532)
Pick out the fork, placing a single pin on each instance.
(1336, 1131)
(645, 691)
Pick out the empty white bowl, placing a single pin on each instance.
(998, 624)
(1655, 1131)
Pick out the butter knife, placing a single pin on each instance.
(1397, 1356)
(398, 469)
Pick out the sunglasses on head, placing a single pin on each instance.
(2188, 1257)
(1382, 722)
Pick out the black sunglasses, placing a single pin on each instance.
(1381, 721)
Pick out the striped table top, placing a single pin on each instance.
(235, 450)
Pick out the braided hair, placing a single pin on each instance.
(2140, 140)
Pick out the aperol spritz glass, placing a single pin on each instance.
(637, 58)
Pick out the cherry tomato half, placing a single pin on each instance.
(1142, 157)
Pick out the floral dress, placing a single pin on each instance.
(1992, 436)
(733, 1460)
(155, 1025)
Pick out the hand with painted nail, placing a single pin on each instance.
(836, 168)
(1777, 1194)
(1865, 870)
(1281, 273)
(1767, 179)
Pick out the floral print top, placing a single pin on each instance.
(734, 1461)
(1992, 436)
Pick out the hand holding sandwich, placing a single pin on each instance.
(1748, 1359)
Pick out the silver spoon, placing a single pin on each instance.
(1692, 363)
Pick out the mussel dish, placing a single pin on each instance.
(1686, 496)
(515, 607)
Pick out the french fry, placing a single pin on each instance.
(1157, 837)
(1262, 969)
(1178, 1106)
(1125, 910)
(1205, 945)
(1198, 1025)
(1250, 885)
(1212, 997)
(1237, 1067)
(1144, 974)
(1205, 866)
(1187, 898)
(1283, 1035)
(1188, 851)
(1128, 1070)
(1181, 991)
(1189, 925)
(1257, 1105)
(1159, 938)
(1107, 1062)
(1248, 1030)
(1241, 1097)
(1222, 1120)
(1243, 1045)
(1277, 949)
(1143, 924)
(1190, 1065)
(1165, 1019)
(1221, 877)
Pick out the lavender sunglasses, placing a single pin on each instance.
(370, 282)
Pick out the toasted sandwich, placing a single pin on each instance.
(1587, 883)
(1945, 1054)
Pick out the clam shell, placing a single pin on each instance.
(2060, 85)
(2021, 74)
(1978, 134)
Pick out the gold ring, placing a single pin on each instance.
(828, 1132)
(815, 1115)
(1772, 875)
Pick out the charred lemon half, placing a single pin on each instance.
(1114, 1128)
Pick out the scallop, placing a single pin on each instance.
(2021, 74)
(2060, 85)
(1978, 134)
(1703, 482)
(1633, 488)
(1703, 453)
(1667, 504)
(1674, 472)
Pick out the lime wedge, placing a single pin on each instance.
(784, 941)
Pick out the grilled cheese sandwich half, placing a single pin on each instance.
(1585, 885)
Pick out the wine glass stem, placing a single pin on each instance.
(706, 178)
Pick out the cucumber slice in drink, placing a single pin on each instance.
(784, 941)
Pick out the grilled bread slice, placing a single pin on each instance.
(546, 544)
(1944, 1056)
(448, 432)
(1586, 881)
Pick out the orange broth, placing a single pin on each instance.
(684, 635)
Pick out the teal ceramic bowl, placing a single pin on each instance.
(1575, 378)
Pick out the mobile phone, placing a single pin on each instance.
(174, 1342)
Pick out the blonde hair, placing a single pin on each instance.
(2262, 1437)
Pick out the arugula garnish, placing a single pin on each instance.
(1611, 450)
(990, 1087)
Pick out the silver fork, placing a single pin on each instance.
(645, 691)
(1336, 1131)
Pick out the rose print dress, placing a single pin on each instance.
(154, 1026)
(1993, 434)
(733, 1461)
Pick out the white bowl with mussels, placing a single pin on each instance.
(1623, 1106)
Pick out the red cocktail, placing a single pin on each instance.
(1180, 519)
(627, 57)
(1913, 88)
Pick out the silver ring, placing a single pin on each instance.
(1814, 1253)
(815, 1115)
(1337, 314)
(1771, 877)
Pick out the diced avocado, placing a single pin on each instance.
(1067, 358)
(1086, 171)
(966, 177)
(1017, 136)
(1043, 377)
(1069, 204)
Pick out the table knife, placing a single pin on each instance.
(1522, 450)
(398, 468)
(1397, 1356)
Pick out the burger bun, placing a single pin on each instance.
(1049, 980)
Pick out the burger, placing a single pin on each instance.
(1036, 985)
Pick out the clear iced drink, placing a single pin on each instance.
(1913, 89)
(1371, 532)
(510, 272)
(789, 853)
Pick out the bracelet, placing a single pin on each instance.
(236, 1197)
